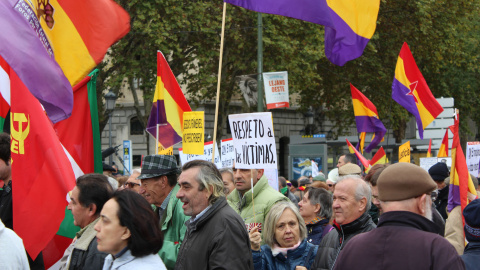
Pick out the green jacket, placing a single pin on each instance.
(264, 198)
(173, 228)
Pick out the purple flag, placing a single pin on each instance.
(349, 24)
(22, 49)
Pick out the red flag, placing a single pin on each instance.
(443, 151)
(362, 159)
(41, 172)
(429, 153)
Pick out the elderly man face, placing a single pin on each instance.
(346, 208)
(341, 161)
(155, 189)
(133, 183)
(194, 200)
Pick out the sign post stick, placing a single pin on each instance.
(219, 80)
(253, 203)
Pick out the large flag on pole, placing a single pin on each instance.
(366, 117)
(443, 151)
(22, 51)
(349, 24)
(460, 181)
(165, 122)
(80, 136)
(41, 172)
(410, 90)
(79, 33)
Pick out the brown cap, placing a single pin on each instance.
(349, 169)
(402, 181)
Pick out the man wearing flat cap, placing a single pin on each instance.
(405, 237)
(159, 186)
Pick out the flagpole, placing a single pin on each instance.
(218, 81)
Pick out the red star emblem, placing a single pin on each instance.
(413, 87)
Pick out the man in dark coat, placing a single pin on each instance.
(405, 237)
(351, 202)
(471, 255)
(439, 172)
(216, 236)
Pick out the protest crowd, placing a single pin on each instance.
(61, 208)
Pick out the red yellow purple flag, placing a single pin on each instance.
(353, 150)
(366, 117)
(41, 172)
(379, 158)
(169, 104)
(429, 152)
(443, 151)
(460, 182)
(78, 33)
(410, 90)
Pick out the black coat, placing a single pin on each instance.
(317, 231)
(336, 239)
(402, 240)
(217, 240)
(471, 256)
(442, 201)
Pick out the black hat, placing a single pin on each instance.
(439, 172)
(471, 213)
(108, 168)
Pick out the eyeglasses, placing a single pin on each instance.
(130, 185)
(434, 195)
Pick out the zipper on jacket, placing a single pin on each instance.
(340, 248)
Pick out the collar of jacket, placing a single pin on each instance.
(295, 253)
(354, 226)
(407, 219)
(123, 259)
(472, 247)
(86, 235)
(220, 203)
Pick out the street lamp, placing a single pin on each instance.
(309, 119)
(110, 99)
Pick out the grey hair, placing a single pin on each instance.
(272, 218)
(362, 189)
(208, 176)
(226, 170)
(324, 199)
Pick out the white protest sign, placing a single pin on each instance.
(472, 156)
(207, 155)
(276, 89)
(428, 162)
(272, 177)
(228, 153)
(253, 140)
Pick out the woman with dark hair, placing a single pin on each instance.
(129, 231)
(316, 210)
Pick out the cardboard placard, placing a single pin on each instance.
(207, 155)
(276, 89)
(472, 155)
(228, 153)
(253, 140)
(193, 132)
(404, 152)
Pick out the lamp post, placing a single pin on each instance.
(110, 99)
(309, 119)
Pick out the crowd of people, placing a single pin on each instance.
(199, 217)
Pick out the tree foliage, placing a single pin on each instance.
(443, 36)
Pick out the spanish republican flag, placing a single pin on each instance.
(80, 32)
(353, 150)
(379, 158)
(410, 90)
(443, 151)
(429, 153)
(366, 117)
(460, 181)
(165, 122)
(41, 172)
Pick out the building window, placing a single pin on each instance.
(136, 160)
(135, 126)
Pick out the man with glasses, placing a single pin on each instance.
(405, 236)
(159, 187)
(132, 182)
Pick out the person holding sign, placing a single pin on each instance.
(264, 196)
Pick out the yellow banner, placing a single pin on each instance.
(404, 152)
(193, 130)
(165, 151)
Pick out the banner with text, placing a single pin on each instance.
(473, 157)
(404, 152)
(276, 89)
(192, 141)
(228, 153)
(253, 140)
(207, 155)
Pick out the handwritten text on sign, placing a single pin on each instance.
(254, 140)
(228, 153)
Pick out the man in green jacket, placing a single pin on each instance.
(159, 187)
(264, 196)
